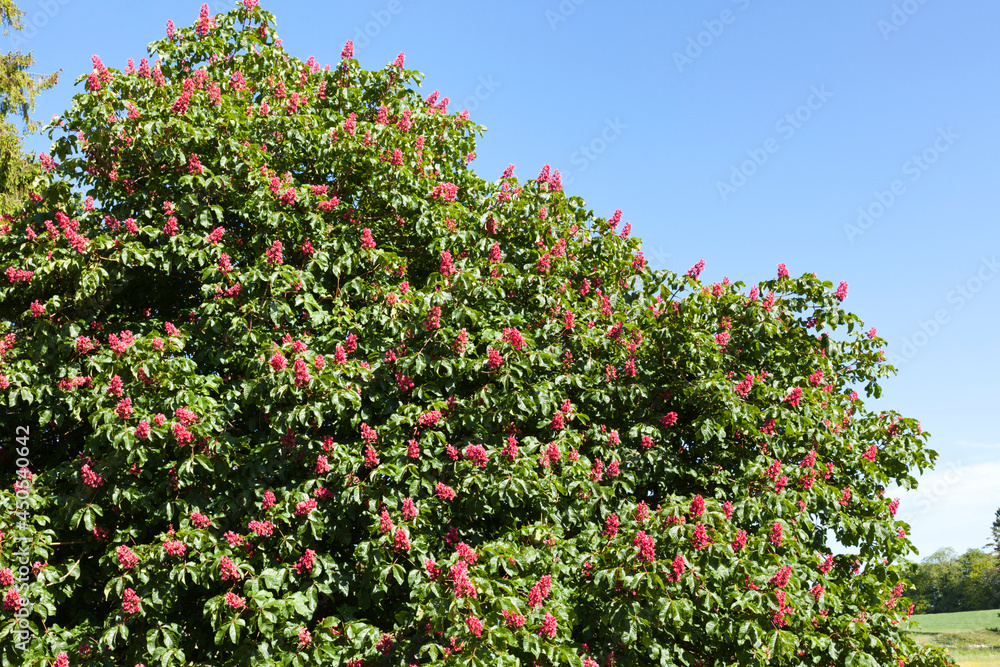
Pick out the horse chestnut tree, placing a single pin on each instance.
(286, 382)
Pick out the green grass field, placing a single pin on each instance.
(972, 637)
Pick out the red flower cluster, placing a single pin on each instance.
(447, 266)
(697, 507)
(120, 344)
(205, 22)
(433, 320)
(548, 628)
(368, 434)
(90, 478)
(235, 601)
(268, 501)
(841, 291)
(446, 191)
(514, 337)
(462, 585)
(794, 396)
(513, 619)
(696, 270)
(305, 507)
(12, 600)
(494, 359)
(124, 409)
(780, 578)
(510, 448)
(474, 625)
(409, 509)
(302, 375)
(126, 557)
(743, 388)
(678, 569)
(894, 507)
(263, 528)
(182, 435)
(273, 254)
(646, 546)
(476, 454)
(228, 569)
(700, 538)
(185, 416)
(278, 361)
(175, 548)
(777, 534)
(306, 562)
(778, 615)
(130, 601)
(540, 591)
(429, 418)
(740, 541)
(18, 275)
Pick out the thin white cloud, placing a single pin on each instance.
(978, 445)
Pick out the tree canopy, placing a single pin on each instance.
(292, 384)
(946, 582)
(18, 88)
(995, 534)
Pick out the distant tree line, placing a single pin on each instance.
(946, 581)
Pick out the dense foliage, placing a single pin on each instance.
(946, 581)
(293, 385)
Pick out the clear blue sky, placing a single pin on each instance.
(738, 131)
